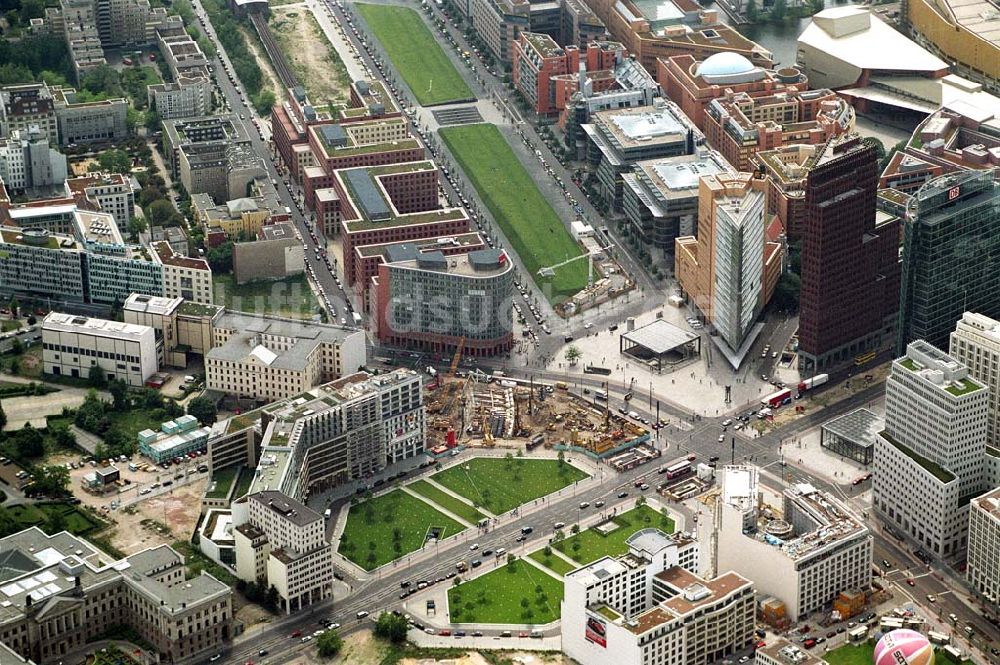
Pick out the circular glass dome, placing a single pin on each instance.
(724, 63)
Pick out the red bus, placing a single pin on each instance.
(678, 470)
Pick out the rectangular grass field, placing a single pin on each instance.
(447, 501)
(593, 545)
(555, 563)
(526, 217)
(501, 484)
(369, 538)
(415, 53)
(496, 596)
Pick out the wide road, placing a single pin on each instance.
(235, 95)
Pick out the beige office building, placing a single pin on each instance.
(983, 561)
(282, 543)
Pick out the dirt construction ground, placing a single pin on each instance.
(361, 648)
(310, 55)
(137, 527)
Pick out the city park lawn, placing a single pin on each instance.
(447, 501)
(593, 545)
(387, 527)
(553, 562)
(499, 595)
(415, 53)
(527, 219)
(290, 297)
(500, 484)
(862, 654)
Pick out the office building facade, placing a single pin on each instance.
(426, 300)
(72, 345)
(850, 266)
(983, 560)
(729, 270)
(65, 593)
(929, 458)
(805, 559)
(649, 607)
(282, 543)
(951, 236)
(344, 430)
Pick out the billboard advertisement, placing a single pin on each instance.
(597, 631)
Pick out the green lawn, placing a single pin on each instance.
(496, 597)
(500, 484)
(7, 325)
(243, 484)
(370, 537)
(74, 520)
(529, 222)
(592, 545)
(447, 501)
(553, 562)
(851, 654)
(416, 54)
(288, 297)
(861, 654)
(222, 480)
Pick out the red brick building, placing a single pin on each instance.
(739, 125)
(548, 75)
(369, 143)
(291, 120)
(692, 85)
(387, 204)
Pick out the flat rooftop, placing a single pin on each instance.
(288, 508)
(989, 503)
(479, 263)
(72, 323)
(97, 228)
(740, 486)
(642, 125)
(441, 242)
(300, 339)
(140, 302)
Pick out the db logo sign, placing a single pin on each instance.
(954, 192)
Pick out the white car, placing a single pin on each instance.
(474, 546)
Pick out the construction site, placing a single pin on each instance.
(489, 410)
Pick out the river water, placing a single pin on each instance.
(778, 38)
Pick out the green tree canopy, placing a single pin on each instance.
(203, 409)
(329, 644)
(391, 627)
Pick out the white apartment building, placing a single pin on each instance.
(929, 459)
(72, 344)
(806, 558)
(27, 161)
(183, 276)
(983, 560)
(343, 430)
(738, 266)
(648, 607)
(114, 192)
(267, 358)
(282, 543)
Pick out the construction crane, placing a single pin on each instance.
(550, 271)
(452, 387)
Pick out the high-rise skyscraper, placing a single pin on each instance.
(850, 262)
(929, 458)
(951, 256)
(729, 271)
(976, 344)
